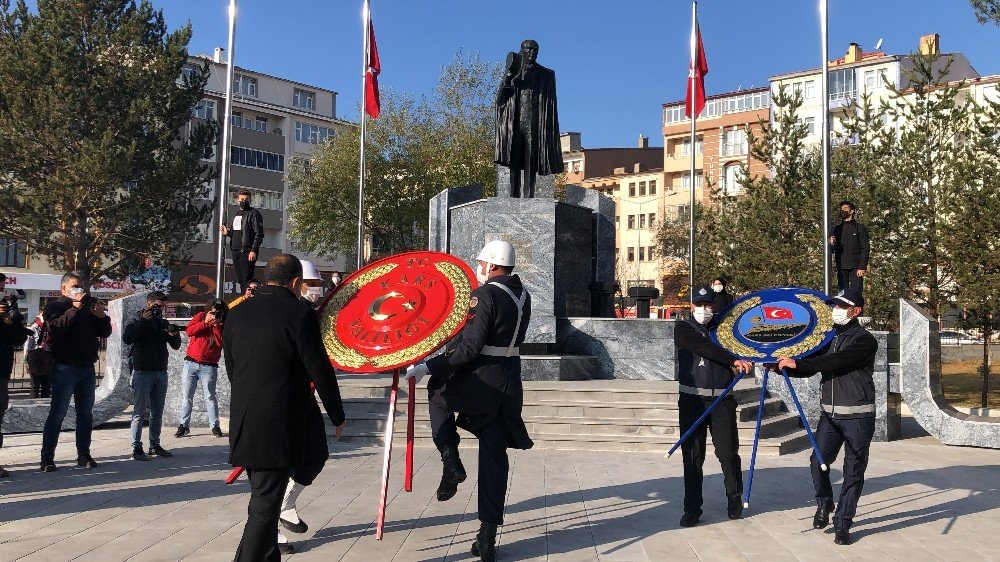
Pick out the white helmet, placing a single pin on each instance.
(309, 272)
(498, 252)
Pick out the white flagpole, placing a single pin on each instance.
(222, 199)
(825, 92)
(366, 15)
(694, 119)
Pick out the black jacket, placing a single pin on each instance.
(847, 364)
(11, 335)
(149, 338)
(704, 368)
(74, 332)
(723, 300)
(851, 247)
(252, 230)
(273, 348)
(481, 387)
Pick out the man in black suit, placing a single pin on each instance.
(851, 248)
(273, 350)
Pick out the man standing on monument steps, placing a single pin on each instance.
(479, 378)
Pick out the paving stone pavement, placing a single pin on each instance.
(922, 501)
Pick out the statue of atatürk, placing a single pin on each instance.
(527, 137)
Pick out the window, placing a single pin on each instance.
(652, 220)
(870, 81)
(261, 198)
(649, 252)
(312, 134)
(652, 187)
(642, 188)
(734, 142)
(251, 158)
(244, 122)
(631, 189)
(189, 72)
(631, 254)
(686, 181)
(673, 114)
(842, 84)
(260, 124)
(686, 146)
(730, 180)
(642, 253)
(245, 85)
(631, 222)
(205, 109)
(304, 99)
(12, 253)
(810, 89)
(808, 123)
(576, 166)
(618, 221)
(642, 221)
(797, 88)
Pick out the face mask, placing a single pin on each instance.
(481, 274)
(335, 279)
(845, 214)
(841, 316)
(244, 205)
(313, 294)
(718, 288)
(703, 314)
(76, 291)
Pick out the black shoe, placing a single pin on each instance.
(182, 430)
(86, 461)
(690, 519)
(453, 473)
(159, 451)
(286, 548)
(3, 472)
(843, 536)
(217, 431)
(299, 527)
(735, 509)
(822, 517)
(139, 455)
(48, 466)
(485, 546)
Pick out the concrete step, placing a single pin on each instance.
(748, 411)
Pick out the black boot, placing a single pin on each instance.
(485, 546)
(822, 517)
(453, 474)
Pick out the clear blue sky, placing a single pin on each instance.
(616, 61)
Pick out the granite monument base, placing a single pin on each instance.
(545, 186)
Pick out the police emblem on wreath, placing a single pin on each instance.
(778, 322)
(396, 311)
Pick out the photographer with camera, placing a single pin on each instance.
(148, 334)
(38, 358)
(76, 322)
(201, 364)
(12, 333)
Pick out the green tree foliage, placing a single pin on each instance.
(413, 150)
(95, 173)
(986, 10)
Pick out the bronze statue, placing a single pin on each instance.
(527, 135)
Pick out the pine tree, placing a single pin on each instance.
(94, 172)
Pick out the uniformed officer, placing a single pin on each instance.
(848, 410)
(704, 371)
(478, 377)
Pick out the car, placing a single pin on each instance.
(954, 337)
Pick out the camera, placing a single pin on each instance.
(88, 301)
(220, 309)
(10, 301)
(156, 312)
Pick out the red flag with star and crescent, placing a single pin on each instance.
(372, 69)
(777, 313)
(697, 69)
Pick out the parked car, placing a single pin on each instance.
(954, 337)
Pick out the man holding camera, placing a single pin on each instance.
(12, 333)
(148, 334)
(76, 324)
(201, 364)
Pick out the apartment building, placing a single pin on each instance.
(581, 163)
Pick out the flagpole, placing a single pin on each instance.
(825, 92)
(227, 125)
(366, 17)
(694, 119)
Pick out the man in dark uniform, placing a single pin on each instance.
(851, 249)
(246, 235)
(479, 378)
(273, 350)
(848, 410)
(704, 371)
(12, 334)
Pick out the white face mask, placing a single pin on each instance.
(313, 294)
(717, 288)
(703, 314)
(841, 316)
(482, 274)
(335, 279)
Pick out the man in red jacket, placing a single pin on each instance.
(201, 364)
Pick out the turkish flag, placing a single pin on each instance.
(777, 313)
(372, 69)
(697, 69)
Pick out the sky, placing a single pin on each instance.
(616, 61)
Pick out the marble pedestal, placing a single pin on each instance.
(545, 186)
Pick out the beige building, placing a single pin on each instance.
(581, 163)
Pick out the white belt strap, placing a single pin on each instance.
(520, 310)
(495, 351)
(710, 392)
(865, 409)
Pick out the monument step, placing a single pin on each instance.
(748, 411)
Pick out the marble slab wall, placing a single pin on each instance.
(439, 221)
(625, 348)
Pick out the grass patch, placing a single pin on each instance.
(962, 383)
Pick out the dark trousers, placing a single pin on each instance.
(260, 535)
(316, 453)
(856, 437)
(722, 423)
(494, 465)
(77, 382)
(848, 278)
(41, 386)
(244, 268)
(4, 401)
